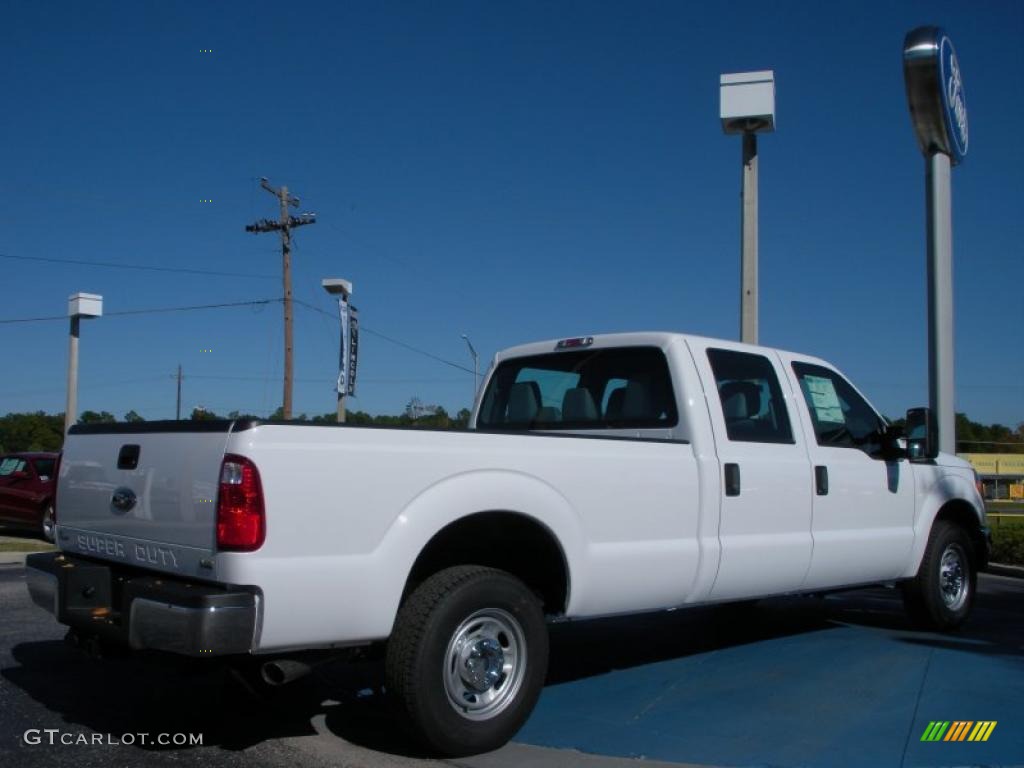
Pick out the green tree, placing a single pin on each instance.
(92, 417)
(36, 431)
(133, 417)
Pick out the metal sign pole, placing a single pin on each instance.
(940, 298)
(938, 110)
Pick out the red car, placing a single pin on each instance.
(27, 485)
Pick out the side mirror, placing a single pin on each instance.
(893, 440)
(922, 440)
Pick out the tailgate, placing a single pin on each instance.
(144, 493)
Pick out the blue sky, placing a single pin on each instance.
(514, 171)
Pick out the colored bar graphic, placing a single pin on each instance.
(958, 730)
(935, 730)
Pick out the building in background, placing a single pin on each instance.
(1002, 474)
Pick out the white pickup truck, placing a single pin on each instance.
(602, 475)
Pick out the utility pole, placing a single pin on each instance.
(284, 225)
(177, 410)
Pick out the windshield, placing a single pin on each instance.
(588, 389)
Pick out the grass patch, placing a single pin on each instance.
(26, 545)
(1007, 539)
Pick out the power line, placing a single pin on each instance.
(154, 311)
(410, 347)
(144, 267)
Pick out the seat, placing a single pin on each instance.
(578, 405)
(636, 403)
(548, 415)
(741, 403)
(523, 402)
(613, 411)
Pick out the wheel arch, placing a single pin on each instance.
(961, 513)
(506, 540)
(949, 502)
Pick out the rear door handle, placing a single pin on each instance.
(732, 479)
(821, 480)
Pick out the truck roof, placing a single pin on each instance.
(661, 339)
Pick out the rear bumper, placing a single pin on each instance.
(143, 611)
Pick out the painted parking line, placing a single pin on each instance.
(843, 694)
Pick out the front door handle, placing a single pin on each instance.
(821, 480)
(732, 479)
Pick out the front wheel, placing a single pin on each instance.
(941, 595)
(467, 658)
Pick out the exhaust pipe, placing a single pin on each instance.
(284, 671)
(279, 672)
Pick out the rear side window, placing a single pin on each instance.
(751, 399)
(619, 388)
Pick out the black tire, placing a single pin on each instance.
(941, 595)
(502, 647)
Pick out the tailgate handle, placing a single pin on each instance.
(128, 457)
(732, 479)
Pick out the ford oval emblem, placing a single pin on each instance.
(123, 500)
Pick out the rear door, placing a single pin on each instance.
(765, 522)
(863, 503)
(142, 494)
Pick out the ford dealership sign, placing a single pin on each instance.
(935, 92)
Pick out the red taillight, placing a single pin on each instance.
(241, 523)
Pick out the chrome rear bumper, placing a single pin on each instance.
(142, 611)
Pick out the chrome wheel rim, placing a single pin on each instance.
(484, 664)
(954, 581)
(48, 524)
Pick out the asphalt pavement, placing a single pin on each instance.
(840, 681)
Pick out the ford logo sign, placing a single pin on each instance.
(123, 500)
(935, 93)
(953, 97)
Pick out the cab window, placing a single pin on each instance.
(841, 417)
(613, 388)
(750, 396)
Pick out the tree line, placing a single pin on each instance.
(41, 431)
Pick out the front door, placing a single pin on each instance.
(863, 504)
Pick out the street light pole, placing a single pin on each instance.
(71, 409)
(748, 108)
(476, 368)
(79, 305)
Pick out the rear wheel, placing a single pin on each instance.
(941, 595)
(467, 659)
